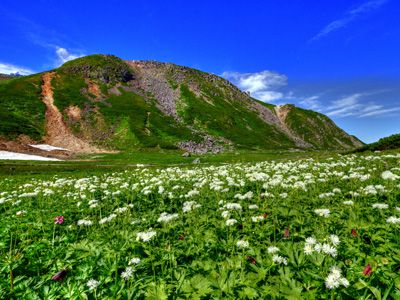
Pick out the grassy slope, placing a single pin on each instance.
(140, 123)
(21, 110)
(230, 120)
(316, 129)
(386, 143)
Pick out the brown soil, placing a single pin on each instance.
(94, 89)
(74, 113)
(281, 113)
(57, 132)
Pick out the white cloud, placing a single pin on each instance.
(311, 102)
(9, 68)
(63, 55)
(349, 16)
(380, 112)
(352, 105)
(262, 85)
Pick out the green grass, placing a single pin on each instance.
(316, 129)
(21, 109)
(85, 164)
(231, 120)
(140, 122)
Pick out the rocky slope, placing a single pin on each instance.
(102, 103)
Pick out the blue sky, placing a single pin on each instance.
(338, 57)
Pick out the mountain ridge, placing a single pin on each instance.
(107, 104)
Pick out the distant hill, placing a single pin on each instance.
(8, 76)
(386, 143)
(101, 102)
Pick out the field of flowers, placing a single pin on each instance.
(300, 229)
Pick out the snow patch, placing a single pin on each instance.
(20, 156)
(46, 147)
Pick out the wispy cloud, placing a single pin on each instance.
(13, 69)
(262, 85)
(349, 16)
(356, 106)
(63, 55)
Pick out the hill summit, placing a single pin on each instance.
(102, 103)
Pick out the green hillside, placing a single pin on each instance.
(122, 105)
(386, 143)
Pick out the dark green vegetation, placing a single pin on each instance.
(21, 111)
(107, 68)
(132, 105)
(386, 143)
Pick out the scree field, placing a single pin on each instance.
(311, 228)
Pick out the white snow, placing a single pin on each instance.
(20, 156)
(46, 147)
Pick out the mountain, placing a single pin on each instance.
(8, 76)
(386, 143)
(100, 103)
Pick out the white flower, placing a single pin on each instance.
(189, 206)
(20, 213)
(335, 279)
(336, 271)
(233, 206)
(330, 250)
(127, 273)
(231, 222)
(332, 282)
(242, 244)
(166, 217)
(323, 212)
(121, 210)
(253, 206)
(225, 214)
(145, 236)
(92, 284)
(272, 249)
(398, 208)
(318, 247)
(393, 220)
(85, 223)
(334, 239)
(257, 218)
(279, 259)
(387, 175)
(380, 206)
(311, 240)
(134, 261)
(308, 249)
(348, 202)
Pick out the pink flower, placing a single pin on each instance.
(59, 220)
(367, 270)
(286, 233)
